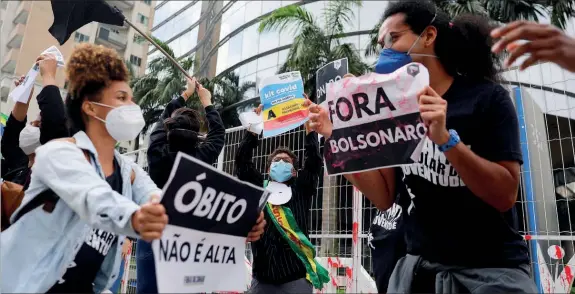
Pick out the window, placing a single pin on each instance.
(143, 19)
(149, 2)
(79, 37)
(138, 39)
(135, 60)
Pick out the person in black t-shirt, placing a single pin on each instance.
(387, 240)
(459, 230)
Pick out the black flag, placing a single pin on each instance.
(70, 15)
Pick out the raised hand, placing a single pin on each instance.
(205, 96)
(48, 65)
(433, 110)
(318, 119)
(546, 43)
(190, 88)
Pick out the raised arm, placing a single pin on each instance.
(308, 177)
(160, 158)
(53, 114)
(245, 168)
(10, 142)
(212, 147)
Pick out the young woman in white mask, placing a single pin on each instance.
(84, 197)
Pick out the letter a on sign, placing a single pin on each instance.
(271, 114)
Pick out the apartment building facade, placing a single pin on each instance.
(24, 35)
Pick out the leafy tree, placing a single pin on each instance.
(316, 44)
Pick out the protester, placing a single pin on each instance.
(20, 139)
(460, 224)
(387, 242)
(84, 197)
(276, 267)
(178, 131)
(546, 43)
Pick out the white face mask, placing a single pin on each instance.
(123, 123)
(29, 139)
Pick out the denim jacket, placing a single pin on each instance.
(36, 250)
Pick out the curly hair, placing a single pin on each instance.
(463, 45)
(90, 69)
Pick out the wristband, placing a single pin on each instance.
(453, 140)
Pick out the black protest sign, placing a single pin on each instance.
(199, 197)
(329, 73)
(376, 121)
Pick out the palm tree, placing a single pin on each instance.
(326, 45)
(227, 93)
(325, 41)
(500, 11)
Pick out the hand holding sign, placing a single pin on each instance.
(150, 220)
(48, 65)
(20, 81)
(433, 109)
(319, 119)
(258, 229)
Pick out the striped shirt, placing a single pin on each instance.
(274, 261)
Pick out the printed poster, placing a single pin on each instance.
(282, 99)
(210, 215)
(376, 121)
(329, 73)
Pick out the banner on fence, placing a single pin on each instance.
(282, 99)
(210, 215)
(329, 73)
(376, 121)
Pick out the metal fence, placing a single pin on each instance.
(340, 216)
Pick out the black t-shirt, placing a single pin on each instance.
(80, 275)
(387, 240)
(446, 222)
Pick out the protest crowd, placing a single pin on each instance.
(430, 138)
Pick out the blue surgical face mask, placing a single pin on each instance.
(281, 171)
(391, 60)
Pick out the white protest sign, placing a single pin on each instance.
(210, 215)
(376, 120)
(22, 92)
(252, 122)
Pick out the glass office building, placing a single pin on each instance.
(237, 45)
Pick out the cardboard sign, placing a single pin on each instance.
(329, 73)
(376, 120)
(282, 99)
(210, 215)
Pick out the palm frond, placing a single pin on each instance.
(292, 16)
(338, 15)
(455, 8)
